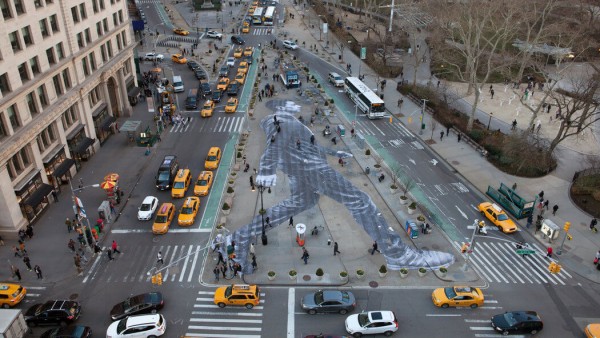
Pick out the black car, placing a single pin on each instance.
(517, 322)
(237, 40)
(200, 74)
(145, 303)
(217, 95)
(328, 301)
(224, 71)
(76, 331)
(233, 88)
(53, 312)
(193, 65)
(205, 88)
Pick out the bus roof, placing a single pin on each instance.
(270, 11)
(364, 89)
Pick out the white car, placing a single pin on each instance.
(230, 61)
(290, 44)
(214, 34)
(372, 322)
(147, 209)
(138, 326)
(336, 79)
(153, 57)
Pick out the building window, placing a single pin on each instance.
(3, 129)
(103, 53)
(41, 91)
(124, 37)
(102, 4)
(23, 72)
(84, 65)
(19, 7)
(38, 3)
(4, 84)
(92, 57)
(35, 65)
(31, 104)
(95, 6)
(60, 51)
(57, 85)
(112, 2)
(50, 56)
(14, 41)
(110, 51)
(80, 40)
(88, 36)
(67, 78)
(54, 23)
(115, 20)
(69, 117)
(11, 113)
(82, 11)
(127, 68)
(94, 96)
(105, 24)
(74, 14)
(46, 138)
(119, 43)
(120, 16)
(27, 36)
(6, 13)
(44, 28)
(99, 28)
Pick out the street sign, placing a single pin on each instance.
(525, 252)
(363, 53)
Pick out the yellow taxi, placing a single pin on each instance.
(238, 294)
(11, 294)
(181, 183)
(207, 109)
(240, 78)
(213, 158)
(180, 31)
(248, 51)
(246, 28)
(457, 296)
(243, 67)
(188, 211)
(223, 83)
(238, 53)
(203, 183)
(231, 106)
(592, 330)
(498, 217)
(163, 219)
(178, 58)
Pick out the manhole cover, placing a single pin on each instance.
(373, 284)
(365, 184)
(306, 278)
(455, 162)
(74, 296)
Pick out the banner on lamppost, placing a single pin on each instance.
(325, 27)
(79, 207)
(363, 53)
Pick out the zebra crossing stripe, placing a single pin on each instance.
(184, 269)
(224, 320)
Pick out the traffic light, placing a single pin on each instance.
(553, 267)
(157, 279)
(567, 226)
(569, 237)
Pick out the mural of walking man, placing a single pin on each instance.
(310, 176)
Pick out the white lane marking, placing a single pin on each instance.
(212, 320)
(215, 335)
(193, 264)
(461, 212)
(291, 318)
(442, 315)
(185, 263)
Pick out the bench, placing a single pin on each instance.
(471, 142)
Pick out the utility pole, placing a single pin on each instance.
(423, 117)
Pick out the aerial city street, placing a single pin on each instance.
(299, 168)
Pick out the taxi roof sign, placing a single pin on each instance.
(496, 207)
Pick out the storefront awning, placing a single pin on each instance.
(108, 123)
(83, 145)
(63, 167)
(38, 196)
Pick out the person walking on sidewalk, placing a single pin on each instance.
(375, 248)
(221, 260)
(22, 247)
(223, 269)
(17, 251)
(115, 247)
(335, 248)
(109, 254)
(546, 204)
(305, 255)
(593, 224)
(27, 262)
(254, 265)
(69, 225)
(441, 135)
(71, 245)
(554, 209)
(529, 220)
(216, 272)
(38, 272)
(16, 272)
(549, 252)
(159, 258)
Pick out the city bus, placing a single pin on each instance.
(364, 98)
(257, 16)
(269, 16)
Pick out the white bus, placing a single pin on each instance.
(364, 98)
(257, 16)
(269, 16)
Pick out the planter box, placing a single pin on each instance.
(382, 274)
(226, 212)
(360, 276)
(393, 191)
(319, 277)
(403, 275)
(271, 277)
(411, 211)
(421, 274)
(344, 279)
(404, 201)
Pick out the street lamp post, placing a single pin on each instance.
(422, 117)
(80, 212)
(261, 189)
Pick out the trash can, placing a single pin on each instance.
(341, 130)
(367, 170)
(412, 229)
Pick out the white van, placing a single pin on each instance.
(177, 84)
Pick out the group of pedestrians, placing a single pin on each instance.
(20, 251)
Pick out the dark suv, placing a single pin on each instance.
(53, 312)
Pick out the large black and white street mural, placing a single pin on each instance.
(290, 151)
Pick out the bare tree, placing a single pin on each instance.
(432, 125)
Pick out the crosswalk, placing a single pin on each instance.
(262, 31)
(34, 294)
(209, 321)
(181, 263)
(215, 124)
(479, 322)
(498, 262)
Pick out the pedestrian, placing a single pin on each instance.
(529, 220)
(221, 260)
(268, 220)
(252, 252)
(352, 133)
(115, 247)
(21, 235)
(546, 203)
(38, 272)
(112, 203)
(593, 224)
(77, 260)
(291, 221)
(335, 248)
(549, 252)
(541, 195)
(298, 143)
(16, 272)
(27, 262)
(17, 251)
(223, 269)
(597, 257)
(448, 130)
(251, 182)
(514, 125)
(514, 186)
(159, 258)
(492, 92)
(29, 231)
(305, 255)
(69, 225)
(312, 139)
(254, 265)
(375, 248)
(109, 253)
(97, 248)
(55, 195)
(216, 272)
(459, 136)
(71, 245)
(441, 135)
(22, 247)
(423, 228)
(554, 210)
